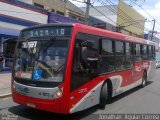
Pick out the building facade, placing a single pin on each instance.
(61, 7)
(15, 16)
(117, 19)
(155, 39)
(19, 16)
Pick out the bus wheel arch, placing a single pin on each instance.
(105, 93)
(110, 90)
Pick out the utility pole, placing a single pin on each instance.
(154, 21)
(88, 3)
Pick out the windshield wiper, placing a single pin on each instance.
(49, 43)
(46, 45)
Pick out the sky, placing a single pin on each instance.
(151, 6)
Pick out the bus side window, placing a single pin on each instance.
(137, 55)
(85, 60)
(144, 52)
(88, 51)
(150, 52)
(119, 55)
(153, 52)
(108, 62)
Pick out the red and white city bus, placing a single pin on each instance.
(66, 68)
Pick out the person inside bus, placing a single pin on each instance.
(89, 59)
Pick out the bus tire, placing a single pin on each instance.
(103, 95)
(144, 80)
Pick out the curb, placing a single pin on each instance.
(5, 95)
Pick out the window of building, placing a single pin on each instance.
(52, 10)
(129, 55)
(60, 13)
(73, 16)
(39, 5)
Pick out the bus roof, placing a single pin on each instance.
(50, 25)
(109, 34)
(96, 31)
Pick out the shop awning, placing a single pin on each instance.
(11, 32)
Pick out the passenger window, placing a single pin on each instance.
(107, 47)
(129, 55)
(137, 54)
(151, 52)
(144, 52)
(138, 49)
(128, 48)
(119, 48)
(119, 56)
(108, 63)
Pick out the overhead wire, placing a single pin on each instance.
(147, 13)
(102, 14)
(111, 9)
(122, 14)
(126, 15)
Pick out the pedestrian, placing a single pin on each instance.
(1, 61)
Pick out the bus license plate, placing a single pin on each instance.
(31, 105)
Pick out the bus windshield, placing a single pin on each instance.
(41, 58)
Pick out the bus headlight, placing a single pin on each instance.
(59, 92)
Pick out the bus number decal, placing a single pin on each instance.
(62, 31)
(82, 90)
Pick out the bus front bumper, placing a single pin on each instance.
(56, 105)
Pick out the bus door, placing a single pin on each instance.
(129, 62)
(138, 67)
(85, 63)
(85, 67)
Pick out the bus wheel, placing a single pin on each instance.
(103, 95)
(144, 80)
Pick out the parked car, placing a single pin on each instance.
(157, 63)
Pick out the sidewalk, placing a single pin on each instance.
(5, 84)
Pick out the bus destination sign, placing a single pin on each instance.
(45, 32)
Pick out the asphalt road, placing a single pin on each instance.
(136, 101)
